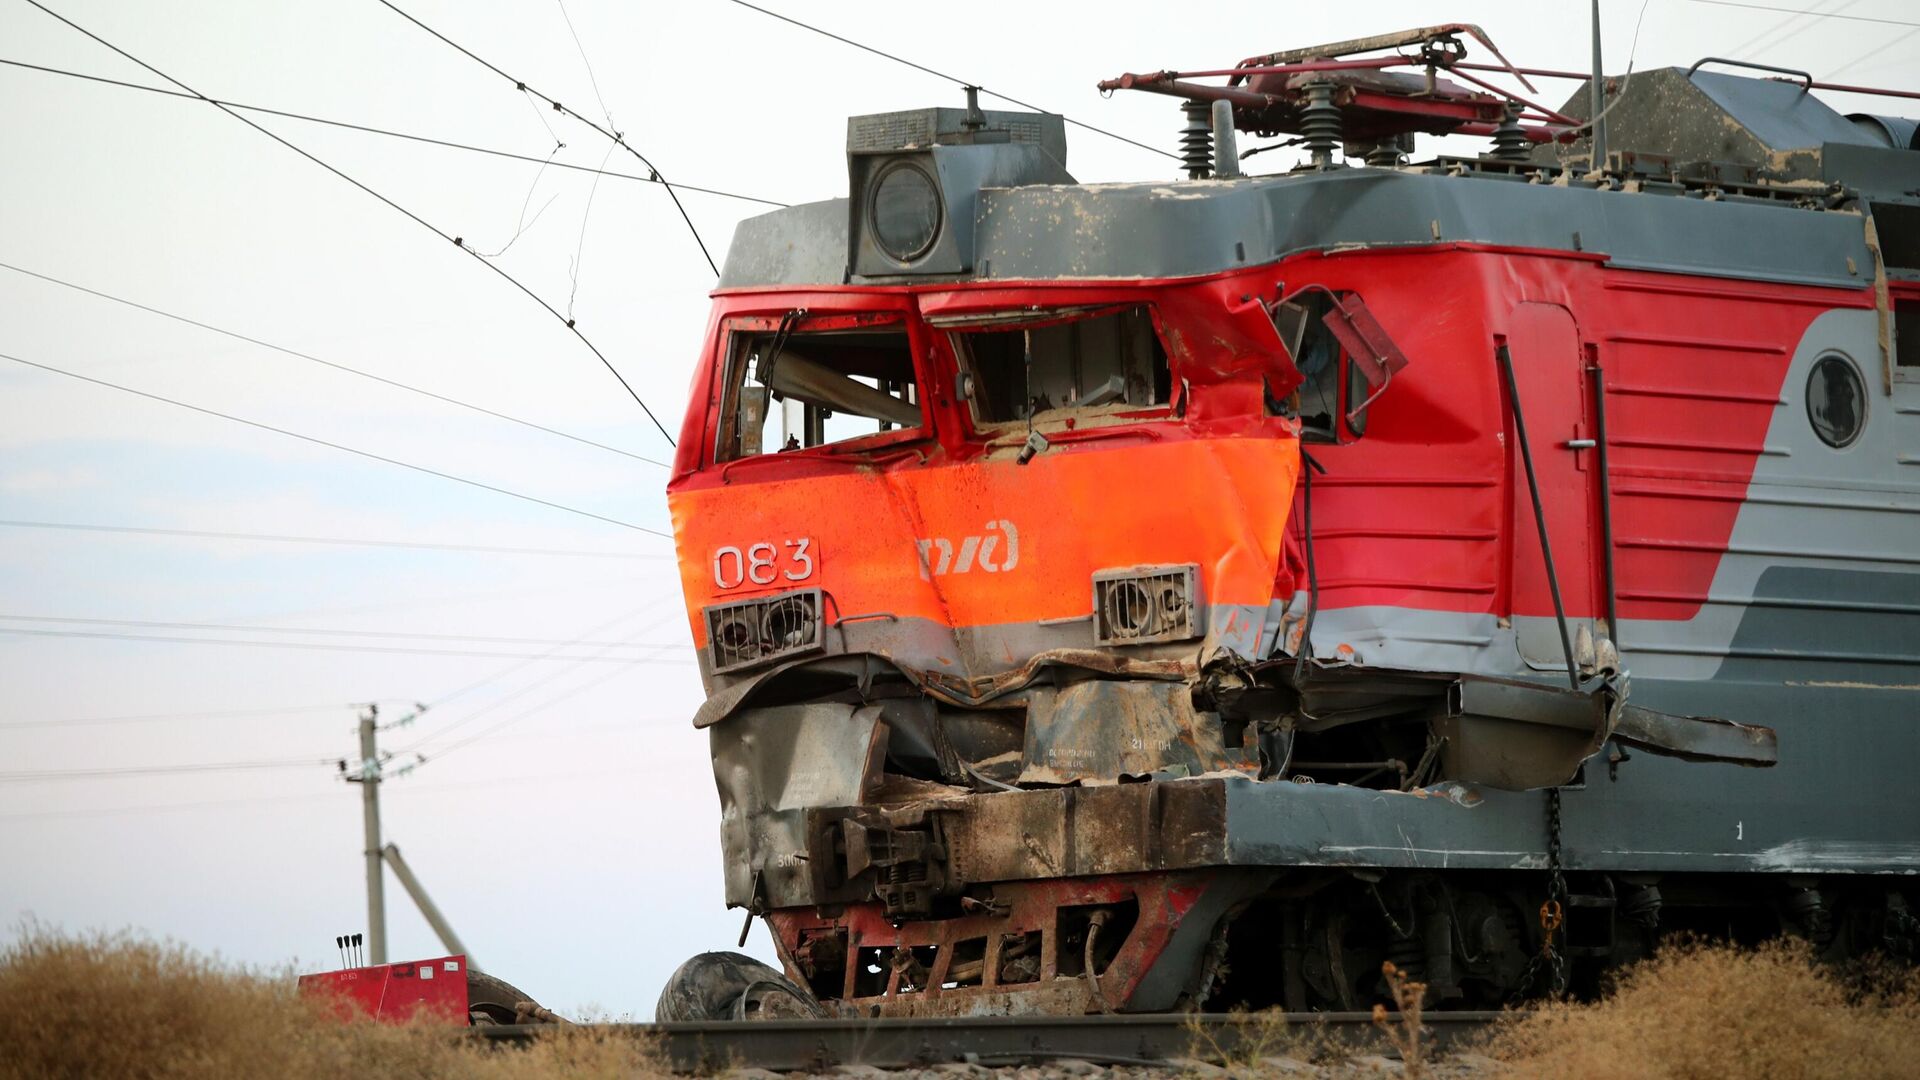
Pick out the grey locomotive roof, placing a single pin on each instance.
(1767, 125)
(1711, 173)
(1190, 228)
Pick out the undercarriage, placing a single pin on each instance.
(1072, 839)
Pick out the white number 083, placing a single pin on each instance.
(759, 563)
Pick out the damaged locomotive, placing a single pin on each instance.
(1147, 596)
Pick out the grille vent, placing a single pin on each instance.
(1145, 604)
(748, 632)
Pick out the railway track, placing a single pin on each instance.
(896, 1043)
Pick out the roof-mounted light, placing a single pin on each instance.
(903, 211)
(914, 181)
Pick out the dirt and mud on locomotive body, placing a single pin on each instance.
(1136, 596)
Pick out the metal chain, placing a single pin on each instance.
(1552, 912)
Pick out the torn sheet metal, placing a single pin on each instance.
(1101, 730)
(1698, 738)
(771, 765)
(1520, 735)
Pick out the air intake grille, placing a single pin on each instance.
(1144, 604)
(748, 632)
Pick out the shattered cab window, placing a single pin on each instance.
(797, 389)
(1079, 361)
(1325, 371)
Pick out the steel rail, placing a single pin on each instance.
(897, 1042)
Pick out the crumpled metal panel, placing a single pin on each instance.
(773, 764)
(1698, 738)
(1100, 730)
(960, 690)
(1070, 832)
(1517, 735)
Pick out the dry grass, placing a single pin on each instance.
(1401, 1027)
(120, 1006)
(1262, 1038)
(1696, 1012)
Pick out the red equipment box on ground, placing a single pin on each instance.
(433, 989)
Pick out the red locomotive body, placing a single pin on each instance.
(1145, 596)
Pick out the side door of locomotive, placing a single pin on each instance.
(1554, 403)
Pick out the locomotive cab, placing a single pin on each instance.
(1100, 588)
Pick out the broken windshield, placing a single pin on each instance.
(794, 390)
(1082, 361)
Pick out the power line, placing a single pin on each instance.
(308, 118)
(326, 632)
(619, 138)
(524, 690)
(588, 64)
(1870, 54)
(1773, 28)
(334, 540)
(1780, 10)
(950, 78)
(148, 718)
(497, 676)
(417, 219)
(324, 647)
(328, 363)
(491, 729)
(147, 808)
(518, 780)
(334, 445)
(41, 775)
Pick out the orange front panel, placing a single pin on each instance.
(992, 541)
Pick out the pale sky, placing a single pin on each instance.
(574, 845)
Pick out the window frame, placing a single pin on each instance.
(1346, 375)
(956, 327)
(736, 330)
(1902, 294)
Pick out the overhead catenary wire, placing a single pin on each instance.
(335, 446)
(1870, 54)
(150, 718)
(28, 776)
(1797, 11)
(389, 133)
(343, 541)
(950, 78)
(518, 779)
(470, 687)
(1774, 27)
(317, 631)
(237, 336)
(619, 138)
(573, 662)
(410, 215)
(592, 79)
(494, 728)
(396, 650)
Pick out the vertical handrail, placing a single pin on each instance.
(1606, 493)
(1308, 467)
(1539, 513)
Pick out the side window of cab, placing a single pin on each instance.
(1335, 391)
(794, 384)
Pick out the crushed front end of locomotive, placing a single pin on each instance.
(1034, 683)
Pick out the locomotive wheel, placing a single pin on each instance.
(731, 986)
(497, 1001)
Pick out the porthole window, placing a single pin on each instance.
(1836, 400)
